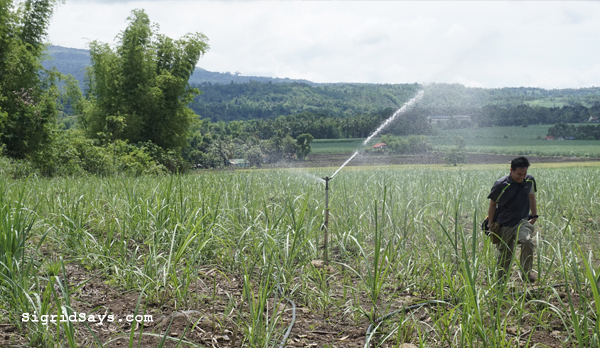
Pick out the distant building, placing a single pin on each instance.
(379, 146)
(549, 138)
(594, 119)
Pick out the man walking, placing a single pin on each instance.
(512, 198)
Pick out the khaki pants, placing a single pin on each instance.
(522, 233)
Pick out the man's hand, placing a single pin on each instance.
(534, 211)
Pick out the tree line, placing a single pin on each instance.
(523, 115)
(576, 132)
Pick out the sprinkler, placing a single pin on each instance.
(325, 227)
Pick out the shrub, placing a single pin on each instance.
(254, 156)
(133, 160)
(72, 154)
(16, 169)
(169, 159)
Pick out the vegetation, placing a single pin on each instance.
(218, 247)
(577, 132)
(134, 117)
(72, 61)
(28, 93)
(303, 141)
(256, 100)
(139, 92)
(227, 250)
(457, 155)
(320, 146)
(412, 144)
(138, 98)
(512, 141)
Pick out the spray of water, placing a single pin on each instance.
(313, 177)
(399, 112)
(343, 165)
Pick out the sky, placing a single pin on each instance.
(489, 44)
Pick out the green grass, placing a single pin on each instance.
(515, 140)
(332, 146)
(548, 102)
(493, 140)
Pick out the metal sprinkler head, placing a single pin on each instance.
(326, 182)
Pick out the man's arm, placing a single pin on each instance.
(492, 212)
(533, 205)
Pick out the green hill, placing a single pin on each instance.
(231, 96)
(73, 61)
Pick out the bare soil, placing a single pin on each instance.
(210, 321)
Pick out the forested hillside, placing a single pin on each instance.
(74, 61)
(256, 100)
(231, 96)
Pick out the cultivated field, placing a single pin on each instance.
(227, 259)
(492, 140)
(515, 140)
(320, 146)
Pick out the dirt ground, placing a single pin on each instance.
(336, 160)
(211, 322)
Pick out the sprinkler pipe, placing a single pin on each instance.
(286, 335)
(326, 223)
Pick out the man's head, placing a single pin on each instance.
(518, 169)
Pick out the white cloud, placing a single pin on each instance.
(488, 44)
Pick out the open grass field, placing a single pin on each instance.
(548, 103)
(325, 146)
(515, 140)
(494, 140)
(227, 259)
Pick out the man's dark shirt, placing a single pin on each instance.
(512, 199)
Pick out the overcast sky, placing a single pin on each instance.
(548, 44)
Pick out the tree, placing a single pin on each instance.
(303, 141)
(395, 144)
(144, 83)
(254, 156)
(457, 155)
(27, 91)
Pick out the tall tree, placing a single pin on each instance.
(27, 91)
(143, 84)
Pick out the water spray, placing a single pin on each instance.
(325, 226)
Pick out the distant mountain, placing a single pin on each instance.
(68, 61)
(74, 61)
